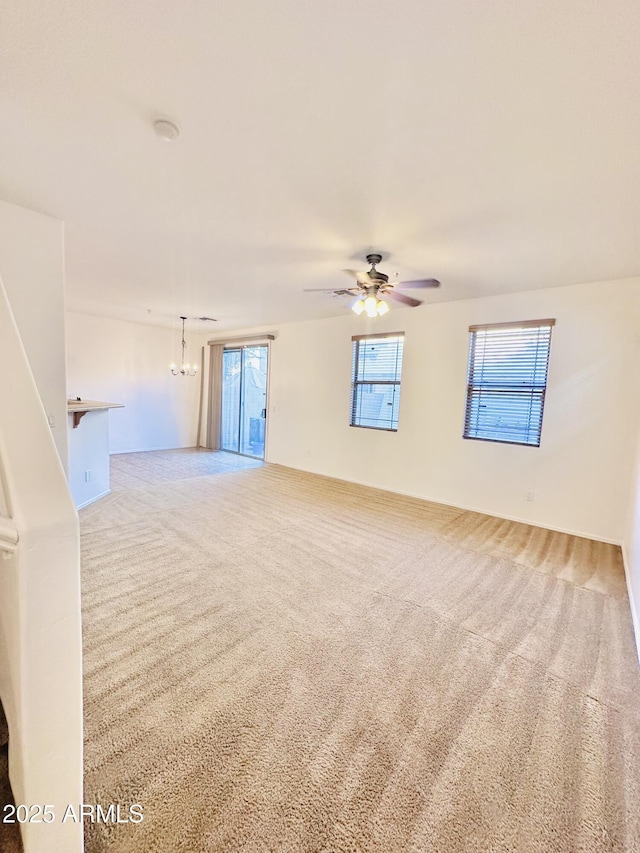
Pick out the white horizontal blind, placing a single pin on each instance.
(375, 380)
(507, 380)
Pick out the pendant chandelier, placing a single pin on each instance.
(185, 368)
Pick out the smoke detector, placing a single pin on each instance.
(166, 130)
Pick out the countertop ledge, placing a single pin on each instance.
(79, 408)
(89, 405)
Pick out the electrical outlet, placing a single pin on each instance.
(528, 496)
(87, 476)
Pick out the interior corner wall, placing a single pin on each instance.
(32, 270)
(121, 362)
(579, 475)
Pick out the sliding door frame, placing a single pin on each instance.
(241, 347)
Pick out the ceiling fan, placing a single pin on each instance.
(372, 286)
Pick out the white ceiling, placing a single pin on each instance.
(493, 145)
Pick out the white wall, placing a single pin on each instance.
(581, 472)
(40, 632)
(121, 362)
(32, 270)
(89, 469)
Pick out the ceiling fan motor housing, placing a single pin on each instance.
(374, 274)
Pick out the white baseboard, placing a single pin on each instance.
(94, 499)
(151, 449)
(632, 604)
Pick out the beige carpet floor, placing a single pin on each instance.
(276, 661)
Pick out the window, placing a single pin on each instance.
(507, 380)
(375, 380)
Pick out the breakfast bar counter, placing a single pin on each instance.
(89, 477)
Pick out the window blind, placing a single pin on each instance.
(507, 380)
(376, 371)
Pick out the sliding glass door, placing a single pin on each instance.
(244, 400)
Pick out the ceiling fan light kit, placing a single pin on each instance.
(373, 285)
(373, 306)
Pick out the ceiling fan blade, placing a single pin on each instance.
(340, 292)
(402, 297)
(363, 277)
(421, 282)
